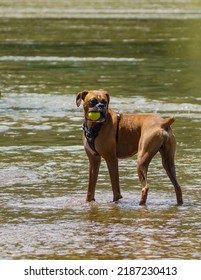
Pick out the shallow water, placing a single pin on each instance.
(147, 65)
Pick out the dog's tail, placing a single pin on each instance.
(166, 130)
(168, 122)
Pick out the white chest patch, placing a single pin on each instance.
(88, 148)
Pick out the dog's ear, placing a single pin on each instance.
(81, 96)
(108, 98)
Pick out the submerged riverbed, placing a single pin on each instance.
(148, 65)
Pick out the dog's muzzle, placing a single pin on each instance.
(102, 109)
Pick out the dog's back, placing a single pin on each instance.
(133, 126)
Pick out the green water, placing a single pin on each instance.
(147, 64)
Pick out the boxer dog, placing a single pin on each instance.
(115, 136)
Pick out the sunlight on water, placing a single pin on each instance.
(43, 58)
(103, 9)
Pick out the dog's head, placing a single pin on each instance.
(94, 101)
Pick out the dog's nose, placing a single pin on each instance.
(100, 105)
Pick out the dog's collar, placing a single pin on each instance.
(92, 133)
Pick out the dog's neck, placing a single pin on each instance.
(92, 128)
(90, 124)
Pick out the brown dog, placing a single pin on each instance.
(115, 136)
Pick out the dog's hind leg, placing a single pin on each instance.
(167, 152)
(149, 145)
(142, 168)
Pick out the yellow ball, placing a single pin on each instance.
(94, 116)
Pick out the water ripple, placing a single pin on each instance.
(60, 59)
(143, 13)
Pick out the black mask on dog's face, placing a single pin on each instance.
(94, 101)
(97, 105)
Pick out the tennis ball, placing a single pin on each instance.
(94, 116)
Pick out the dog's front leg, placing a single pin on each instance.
(112, 164)
(94, 165)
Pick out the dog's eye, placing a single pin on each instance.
(104, 102)
(93, 102)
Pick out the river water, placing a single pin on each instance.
(149, 59)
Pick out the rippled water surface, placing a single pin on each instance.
(148, 64)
